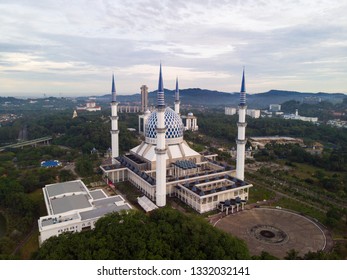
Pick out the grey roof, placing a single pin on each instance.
(66, 187)
(106, 201)
(47, 222)
(98, 212)
(97, 194)
(68, 203)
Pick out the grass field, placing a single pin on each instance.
(301, 208)
(258, 193)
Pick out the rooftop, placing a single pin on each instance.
(65, 187)
(71, 202)
(97, 194)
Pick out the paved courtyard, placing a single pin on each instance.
(275, 231)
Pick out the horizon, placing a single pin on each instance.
(62, 95)
(50, 48)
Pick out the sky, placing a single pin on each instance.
(66, 48)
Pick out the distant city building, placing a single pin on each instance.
(230, 111)
(275, 107)
(337, 123)
(253, 113)
(90, 106)
(4, 118)
(72, 207)
(296, 116)
(144, 98)
(312, 100)
(128, 109)
(74, 115)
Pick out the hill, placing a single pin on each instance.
(212, 98)
(195, 97)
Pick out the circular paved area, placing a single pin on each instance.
(275, 231)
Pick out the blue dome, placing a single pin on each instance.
(173, 124)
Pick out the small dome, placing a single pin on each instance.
(190, 114)
(173, 124)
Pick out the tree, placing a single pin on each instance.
(164, 234)
(84, 166)
(292, 255)
(66, 175)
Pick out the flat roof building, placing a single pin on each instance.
(72, 207)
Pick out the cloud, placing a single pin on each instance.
(283, 44)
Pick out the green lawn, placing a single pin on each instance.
(301, 208)
(258, 193)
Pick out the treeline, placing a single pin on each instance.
(87, 131)
(224, 127)
(164, 234)
(336, 160)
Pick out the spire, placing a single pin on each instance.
(177, 92)
(160, 96)
(113, 90)
(243, 90)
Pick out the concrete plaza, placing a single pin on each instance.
(275, 230)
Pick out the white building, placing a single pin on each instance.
(90, 106)
(72, 207)
(230, 111)
(296, 116)
(173, 169)
(190, 122)
(275, 107)
(253, 113)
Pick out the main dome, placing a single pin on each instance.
(173, 125)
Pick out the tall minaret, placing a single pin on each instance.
(177, 98)
(160, 150)
(114, 124)
(241, 140)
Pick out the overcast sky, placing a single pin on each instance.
(72, 47)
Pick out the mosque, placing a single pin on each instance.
(164, 165)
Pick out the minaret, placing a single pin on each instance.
(177, 98)
(241, 140)
(160, 150)
(114, 124)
